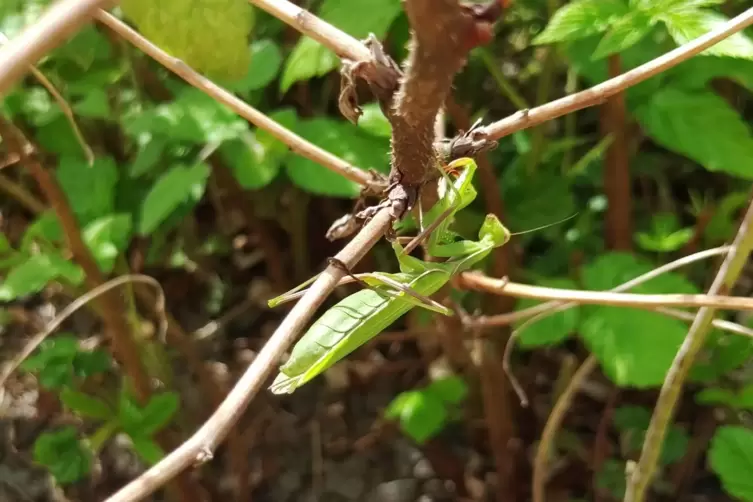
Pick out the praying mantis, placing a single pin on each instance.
(363, 315)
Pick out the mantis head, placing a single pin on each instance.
(493, 231)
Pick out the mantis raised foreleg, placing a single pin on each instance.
(364, 314)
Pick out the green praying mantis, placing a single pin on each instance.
(363, 315)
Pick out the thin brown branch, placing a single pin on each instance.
(302, 20)
(671, 390)
(598, 94)
(618, 218)
(296, 143)
(553, 423)
(480, 282)
(21, 195)
(199, 447)
(58, 23)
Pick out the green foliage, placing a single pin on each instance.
(582, 18)
(63, 455)
(177, 185)
(741, 399)
(678, 120)
(665, 235)
(85, 405)
(33, 273)
(59, 361)
(552, 329)
(310, 59)
(343, 140)
(635, 348)
(633, 421)
(144, 421)
(424, 413)
(731, 458)
(175, 24)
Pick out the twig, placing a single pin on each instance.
(295, 142)
(478, 281)
(199, 447)
(505, 319)
(22, 196)
(82, 300)
(56, 24)
(63, 104)
(599, 93)
(302, 20)
(553, 424)
(671, 390)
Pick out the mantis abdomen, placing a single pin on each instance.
(348, 325)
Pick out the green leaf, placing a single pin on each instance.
(449, 390)
(343, 140)
(148, 156)
(34, 274)
(266, 59)
(216, 121)
(158, 412)
(62, 347)
(723, 353)
(107, 237)
(580, 19)
(701, 126)
(536, 200)
(635, 348)
(421, 415)
(741, 399)
(687, 24)
(731, 458)
(94, 104)
(63, 455)
(552, 329)
(374, 122)
(633, 421)
(87, 363)
(57, 137)
(173, 188)
(665, 236)
(90, 189)
(85, 405)
(311, 59)
(249, 162)
(147, 449)
(209, 35)
(624, 33)
(697, 73)
(609, 270)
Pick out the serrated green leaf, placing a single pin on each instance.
(129, 413)
(343, 140)
(374, 122)
(46, 228)
(609, 270)
(310, 59)
(171, 189)
(34, 274)
(421, 415)
(449, 390)
(209, 35)
(682, 122)
(687, 24)
(623, 34)
(85, 405)
(552, 329)
(731, 458)
(62, 347)
(90, 190)
(107, 237)
(697, 73)
(634, 348)
(266, 59)
(580, 19)
(63, 455)
(158, 412)
(148, 450)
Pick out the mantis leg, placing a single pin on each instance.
(413, 297)
(292, 294)
(426, 232)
